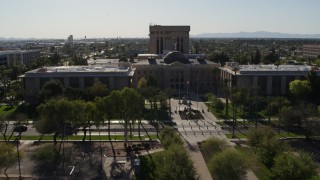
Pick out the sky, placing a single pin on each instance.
(131, 18)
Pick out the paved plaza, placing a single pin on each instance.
(193, 131)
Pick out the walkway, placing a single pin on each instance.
(193, 131)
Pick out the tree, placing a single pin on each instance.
(78, 61)
(213, 145)
(48, 159)
(300, 89)
(8, 156)
(235, 99)
(314, 82)
(132, 107)
(174, 163)
(218, 57)
(51, 89)
(271, 57)
(123, 59)
(294, 166)
(168, 137)
(81, 111)
(4, 130)
(226, 92)
(55, 59)
(97, 90)
(308, 119)
(265, 143)
(256, 57)
(54, 116)
(228, 164)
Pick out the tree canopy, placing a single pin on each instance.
(300, 88)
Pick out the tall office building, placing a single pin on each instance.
(70, 39)
(169, 38)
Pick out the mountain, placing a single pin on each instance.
(258, 34)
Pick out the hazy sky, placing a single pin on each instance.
(131, 18)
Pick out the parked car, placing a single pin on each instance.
(20, 128)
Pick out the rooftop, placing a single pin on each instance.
(266, 69)
(117, 71)
(16, 51)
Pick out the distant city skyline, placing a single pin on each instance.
(127, 18)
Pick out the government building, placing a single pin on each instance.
(268, 79)
(168, 38)
(176, 71)
(76, 77)
(170, 63)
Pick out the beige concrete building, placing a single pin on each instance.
(24, 57)
(76, 77)
(311, 50)
(169, 38)
(268, 79)
(177, 72)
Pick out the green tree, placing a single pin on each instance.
(78, 61)
(174, 163)
(300, 89)
(294, 166)
(218, 57)
(265, 143)
(54, 116)
(80, 114)
(226, 93)
(314, 82)
(213, 145)
(256, 58)
(123, 59)
(8, 156)
(168, 137)
(55, 59)
(51, 89)
(228, 164)
(48, 159)
(97, 90)
(132, 108)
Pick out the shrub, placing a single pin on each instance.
(213, 146)
(294, 166)
(169, 137)
(228, 164)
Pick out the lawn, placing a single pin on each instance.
(5, 110)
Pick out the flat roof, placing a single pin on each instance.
(107, 70)
(268, 69)
(18, 51)
(273, 67)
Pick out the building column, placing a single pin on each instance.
(283, 84)
(81, 82)
(111, 83)
(66, 82)
(37, 84)
(269, 85)
(255, 81)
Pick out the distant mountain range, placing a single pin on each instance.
(258, 34)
